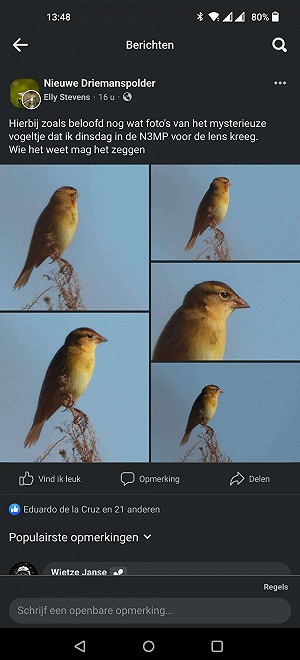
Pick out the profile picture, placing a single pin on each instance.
(18, 88)
(23, 568)
(31, 99)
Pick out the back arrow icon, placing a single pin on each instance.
(81, 646)
(17, 45)
(237, 479)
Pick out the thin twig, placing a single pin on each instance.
(206, 449)
(78, 445)
(48, 451)
(36, 299)
(64, 284)
(65, 288)
(217, 244)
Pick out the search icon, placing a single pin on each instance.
(281, 45)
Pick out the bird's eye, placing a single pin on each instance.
(224, 295)
(90, 336)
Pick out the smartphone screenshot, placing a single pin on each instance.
(149, 328)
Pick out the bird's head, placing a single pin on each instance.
(66, 193)
(84, 338)
(212, 391)
(220, 185)
(216, 298)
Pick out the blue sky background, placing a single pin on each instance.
(257, 418)
(267, 331)
(116, 400)
(109, 251)
(262, 223)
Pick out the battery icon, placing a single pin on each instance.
(275, 16)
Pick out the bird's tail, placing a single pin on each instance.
(34, 434)
(185, 438)
(23, 278)
(191, 243)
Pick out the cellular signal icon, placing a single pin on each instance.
(241, 18)
(214, 15)
(229, 18)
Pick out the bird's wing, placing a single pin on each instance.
(40, 245)
(196, 415)
(173, 343)
(204, 215)
(54, 387)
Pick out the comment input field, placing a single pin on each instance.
(62, 611)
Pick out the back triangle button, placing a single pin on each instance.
(80, 646)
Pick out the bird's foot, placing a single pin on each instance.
(79, 418)
(55, 256)
(68, 401)
(65, 268)
(219, 234)
(209, 431)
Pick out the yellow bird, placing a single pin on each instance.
(67, 377)
(212, 208)
(197, 330)
(203, 409)
(53, 232)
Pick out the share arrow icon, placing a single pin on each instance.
(237, 479)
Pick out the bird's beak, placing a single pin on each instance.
(239, 303)
(101, 339)
(229, 183)
(221, 391)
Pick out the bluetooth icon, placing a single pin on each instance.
(200, 16)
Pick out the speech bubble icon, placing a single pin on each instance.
(127, 478)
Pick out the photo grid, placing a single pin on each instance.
(224, 385)
(75, 313)
(93, 256)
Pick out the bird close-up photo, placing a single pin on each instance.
(53, 232)
(72, 384)
(66, 379)
(212, 208)
(198, 328)
(248, 211)
(203, 410)
(224, 311)
(74, 237)
(254, 419)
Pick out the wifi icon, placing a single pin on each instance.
(214, 15)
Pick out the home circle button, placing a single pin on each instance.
(148, 646)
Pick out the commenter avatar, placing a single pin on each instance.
(23, 568)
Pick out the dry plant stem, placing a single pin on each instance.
(218, 245)
(208, 447)
(67, 286)
(36, 299)
(77, 444)
(48, 451)
(65, 289)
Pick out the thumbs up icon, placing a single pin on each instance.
(14, 509)
(26, 480)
